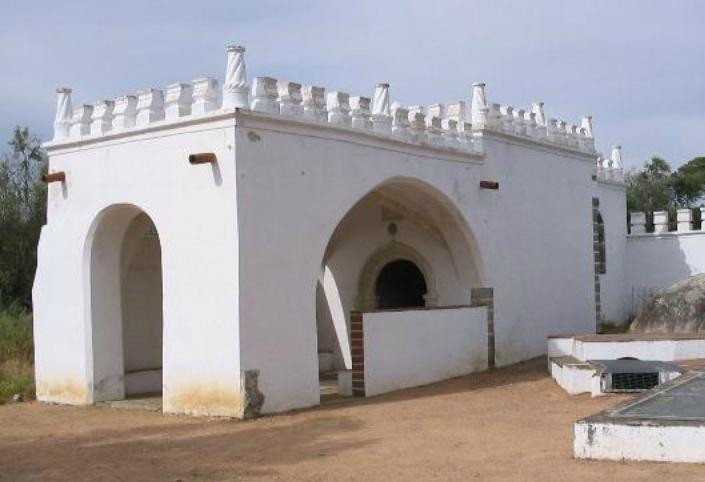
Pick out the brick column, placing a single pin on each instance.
(357, 349)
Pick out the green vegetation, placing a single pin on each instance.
(656, 187)
(22, 214)
(16, 354)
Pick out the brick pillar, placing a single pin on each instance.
(357, 349)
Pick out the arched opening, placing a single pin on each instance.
(400, 284)
(402, 245)
(126, 319)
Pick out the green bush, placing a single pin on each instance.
(16, 353)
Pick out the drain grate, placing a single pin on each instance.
(634, 381)
(634, 375)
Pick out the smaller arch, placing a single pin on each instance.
(367, 299)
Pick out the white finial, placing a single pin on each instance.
(235, 88)
(64, 111)
(381, 114)
(537, 108)
(479, 107)
(586, 123)
(616, 157)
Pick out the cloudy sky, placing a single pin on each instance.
(637, 66)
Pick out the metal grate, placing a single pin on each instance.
(634, 381)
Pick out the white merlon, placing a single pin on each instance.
(64, 111)
(264, 95)
(494, 116)
(381, 114)
(338, 105)
(81, 120)
(400, 122)
(314, 103)
(124, 112)
(290, 99)
(684, 218)
(360, 112)
(150, 106)
(507, 117)
(660, 221)
(177, 101)
(456, 111)
(450, 133)
(638, 222)
(205, 95)
(102, 117)
(520, 122)
(235, 88)
(417, 124)
(433, 130)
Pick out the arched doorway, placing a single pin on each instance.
(400, 284)
(125, 304)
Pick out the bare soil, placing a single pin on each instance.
(510, 424)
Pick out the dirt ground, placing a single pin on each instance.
(512, 424)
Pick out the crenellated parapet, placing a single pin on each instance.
(457, 125)
(610, 169)
(679, 221)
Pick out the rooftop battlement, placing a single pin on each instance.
(451, 126)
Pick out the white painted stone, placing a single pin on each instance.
(178, 99)
(64, 111)
(150, 107)
(409, 348)
(205, 95)
(102, 117)
(381, 113)
(124, 112)
(81, 120)
(360, 113)
(290, 99)
(235, 88)
(338, 106)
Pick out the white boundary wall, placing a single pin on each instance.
(416, 347)
(639, 441)
(656, 261)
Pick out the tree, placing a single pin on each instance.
(650, 189)
(22, 214)
(689, 182)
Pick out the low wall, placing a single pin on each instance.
(407, 348)
(657, 260)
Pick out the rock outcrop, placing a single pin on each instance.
(679, 308)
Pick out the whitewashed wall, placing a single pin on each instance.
(408, 348)
(656, 261)
(195, 213)
(613, 208)
(533, 237)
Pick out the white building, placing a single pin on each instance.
(224, 246)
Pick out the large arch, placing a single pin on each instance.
(124, 312)
(400, 218)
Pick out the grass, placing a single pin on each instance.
(16, 354)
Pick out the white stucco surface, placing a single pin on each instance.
(267, 249)
(408, 348)
(656, 261)
(640, 441)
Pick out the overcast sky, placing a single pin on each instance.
(637, 66)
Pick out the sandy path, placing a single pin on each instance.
(513, 424)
